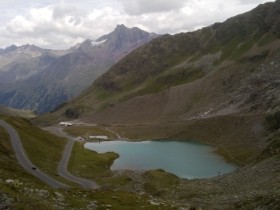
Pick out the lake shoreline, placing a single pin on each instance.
(192, 159)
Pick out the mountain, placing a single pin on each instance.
(123, 38)
(19, 63)
(22, 69)
(216, 84)
(66, 76)
(228, 67)
(22, 53)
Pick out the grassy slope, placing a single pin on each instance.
(43, 148)
(17, 113)
(97, 164)
(10, 169)
(93, 165)
(158, 182)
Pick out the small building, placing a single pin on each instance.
(99, 137)
(65, 124)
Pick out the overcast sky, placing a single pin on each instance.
(60, 24)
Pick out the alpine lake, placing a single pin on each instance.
(188, 160)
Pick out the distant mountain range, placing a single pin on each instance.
(41, 79)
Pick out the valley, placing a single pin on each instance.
(217, 86)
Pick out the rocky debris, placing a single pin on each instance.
(59, 195)
(15, 183)
(26, 191)
(35, 192)
(92, 205)
(42, 193)
(250, 187)
(261, 89)
(10, 181)
(5, 201)
(59, 199)
(154, 203)
(189, 208)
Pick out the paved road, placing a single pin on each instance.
(62, 167)
(24, 160)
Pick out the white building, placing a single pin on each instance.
(99, 137)
(65, 124)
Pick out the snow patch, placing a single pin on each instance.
(94, 43)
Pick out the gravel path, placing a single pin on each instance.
(118, 135)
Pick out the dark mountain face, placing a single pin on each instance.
(46, 80)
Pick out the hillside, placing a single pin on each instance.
(225, 68)
(41, 82)
(16, 112)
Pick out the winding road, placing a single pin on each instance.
(24, 160)
(62, 167)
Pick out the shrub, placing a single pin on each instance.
(72, 113)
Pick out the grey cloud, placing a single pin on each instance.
(60, 11)
(61, 25)
(138, 7)
(252, 1)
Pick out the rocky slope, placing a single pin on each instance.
(44, 86)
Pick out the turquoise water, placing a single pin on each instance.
(184, 159)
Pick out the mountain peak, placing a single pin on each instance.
(9, 49)
(121, 26)
(123, 36)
